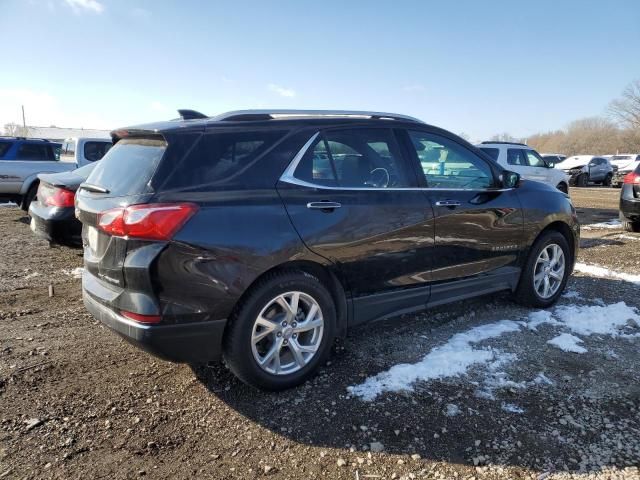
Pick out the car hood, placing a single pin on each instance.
(571, 163)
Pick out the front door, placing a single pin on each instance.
(354, 200)
(479, 232)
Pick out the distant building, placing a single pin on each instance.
(59, 134)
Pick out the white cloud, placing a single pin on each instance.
(80, 6)
(282, 91)
(158, 107)
(416, 87)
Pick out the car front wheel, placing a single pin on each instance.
(546, 271)
(282, 331)
(582, 180)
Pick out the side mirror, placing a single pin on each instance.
(509, 179)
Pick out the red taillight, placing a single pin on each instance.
(154, 221)
(136, 317)
(632, 177)
(55, 196)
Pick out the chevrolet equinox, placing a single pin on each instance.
(258, 237)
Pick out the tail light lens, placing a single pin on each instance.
(55, 196)
(632, 177)
(154, 221)
(137, 317)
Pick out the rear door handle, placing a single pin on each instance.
(324, 205)
(447, 203)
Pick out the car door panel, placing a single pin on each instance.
(478, 227)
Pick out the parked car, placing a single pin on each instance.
(553, 158)
(84, 150)
(625, 164)
(525, 161)
(53, 210)
(21, 159)
(630, 200)
(583, 169)
(260, 236)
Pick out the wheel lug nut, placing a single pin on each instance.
(279, 334)
(284, 324)
(294, 324)
(295, 335)
(286, 342)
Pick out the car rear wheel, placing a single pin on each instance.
(631, 226)
(282, 331)
(563, 187)
(546, 271)
(29, 197)
(582, 180)
(607, 180)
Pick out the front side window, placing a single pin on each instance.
(534, 159)
(516, 156)
(355, 158)
(35, 151)
(448, 165)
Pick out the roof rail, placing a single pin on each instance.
(186, 114)
(257, 115)
(503, 143)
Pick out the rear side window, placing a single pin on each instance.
(94, 151)
(492, 152)
(4, 148)
(358, 158)
(68, 150)
(516, 156)
(35, 151)
(128, 166)
(222, 158)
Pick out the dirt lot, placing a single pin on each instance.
(78, 402)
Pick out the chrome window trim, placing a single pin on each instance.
(288, 177)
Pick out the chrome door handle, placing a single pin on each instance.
(447, 203)
(325, 205)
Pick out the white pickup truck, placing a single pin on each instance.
(22, 159)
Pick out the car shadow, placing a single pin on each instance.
(588, 216)
(321, 412)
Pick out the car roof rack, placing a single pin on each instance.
(503, 143)
(186, 114)
(258, 115)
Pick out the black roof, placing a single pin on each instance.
(504, 143)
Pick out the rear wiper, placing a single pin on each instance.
(94, 188)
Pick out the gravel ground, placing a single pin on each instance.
(78, 402)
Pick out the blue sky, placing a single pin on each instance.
(468, 66)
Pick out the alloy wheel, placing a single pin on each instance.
(548, 272)
(287, 333)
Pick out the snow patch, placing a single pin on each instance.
(75, 273)
(622, 236)
(512, 408)
(572, 295)
(8, 205)
(596, 319)
(613, 223)
(602, 272)
(451, 359)
(452, 410)
(568, 343)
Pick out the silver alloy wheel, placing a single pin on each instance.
(548, 271)
(287, 333)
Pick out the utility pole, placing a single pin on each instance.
(24, 123)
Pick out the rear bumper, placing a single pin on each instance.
(183, 343)
(630, 209)
(58, 225)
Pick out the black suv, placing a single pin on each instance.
(261, 236)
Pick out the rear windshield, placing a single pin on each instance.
(128, 166)
(492, 152)
(222, 159)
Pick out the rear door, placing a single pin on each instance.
(517, 162)
(354, 200)
(537, 167)
(478, 226)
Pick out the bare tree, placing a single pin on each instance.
(14, 130)
(505, 137)
(626, 109)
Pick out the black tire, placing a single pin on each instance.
(29, 197)
(631, 226)
(526, 293)
(237, 348)
(607, 180)
(563, 187)
(582, 180)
